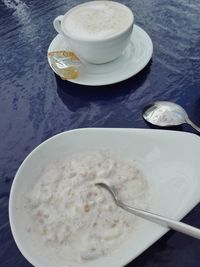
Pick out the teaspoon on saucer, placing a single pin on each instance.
(167, 114)
(155, 218)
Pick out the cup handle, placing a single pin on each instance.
(57, 24)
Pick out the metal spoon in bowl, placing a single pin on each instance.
(161, 220)
(166, 114)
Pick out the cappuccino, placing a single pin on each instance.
(97, 20)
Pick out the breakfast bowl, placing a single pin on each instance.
(171, 175)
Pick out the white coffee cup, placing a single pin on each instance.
(97, 31)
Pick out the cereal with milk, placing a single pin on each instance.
(71, 214)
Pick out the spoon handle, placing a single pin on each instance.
(164, 221)
(193, 125)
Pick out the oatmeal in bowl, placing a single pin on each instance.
(69, 211)
(60, 218)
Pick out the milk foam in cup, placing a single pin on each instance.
(97, 31)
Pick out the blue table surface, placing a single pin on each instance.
(35, 104)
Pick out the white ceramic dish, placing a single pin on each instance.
(134, 59)
(170, 162)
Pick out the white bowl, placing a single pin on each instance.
(170, 162)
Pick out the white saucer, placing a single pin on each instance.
(134, 59)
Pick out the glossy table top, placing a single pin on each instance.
(35, 104)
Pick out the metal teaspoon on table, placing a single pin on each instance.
(167, 114)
